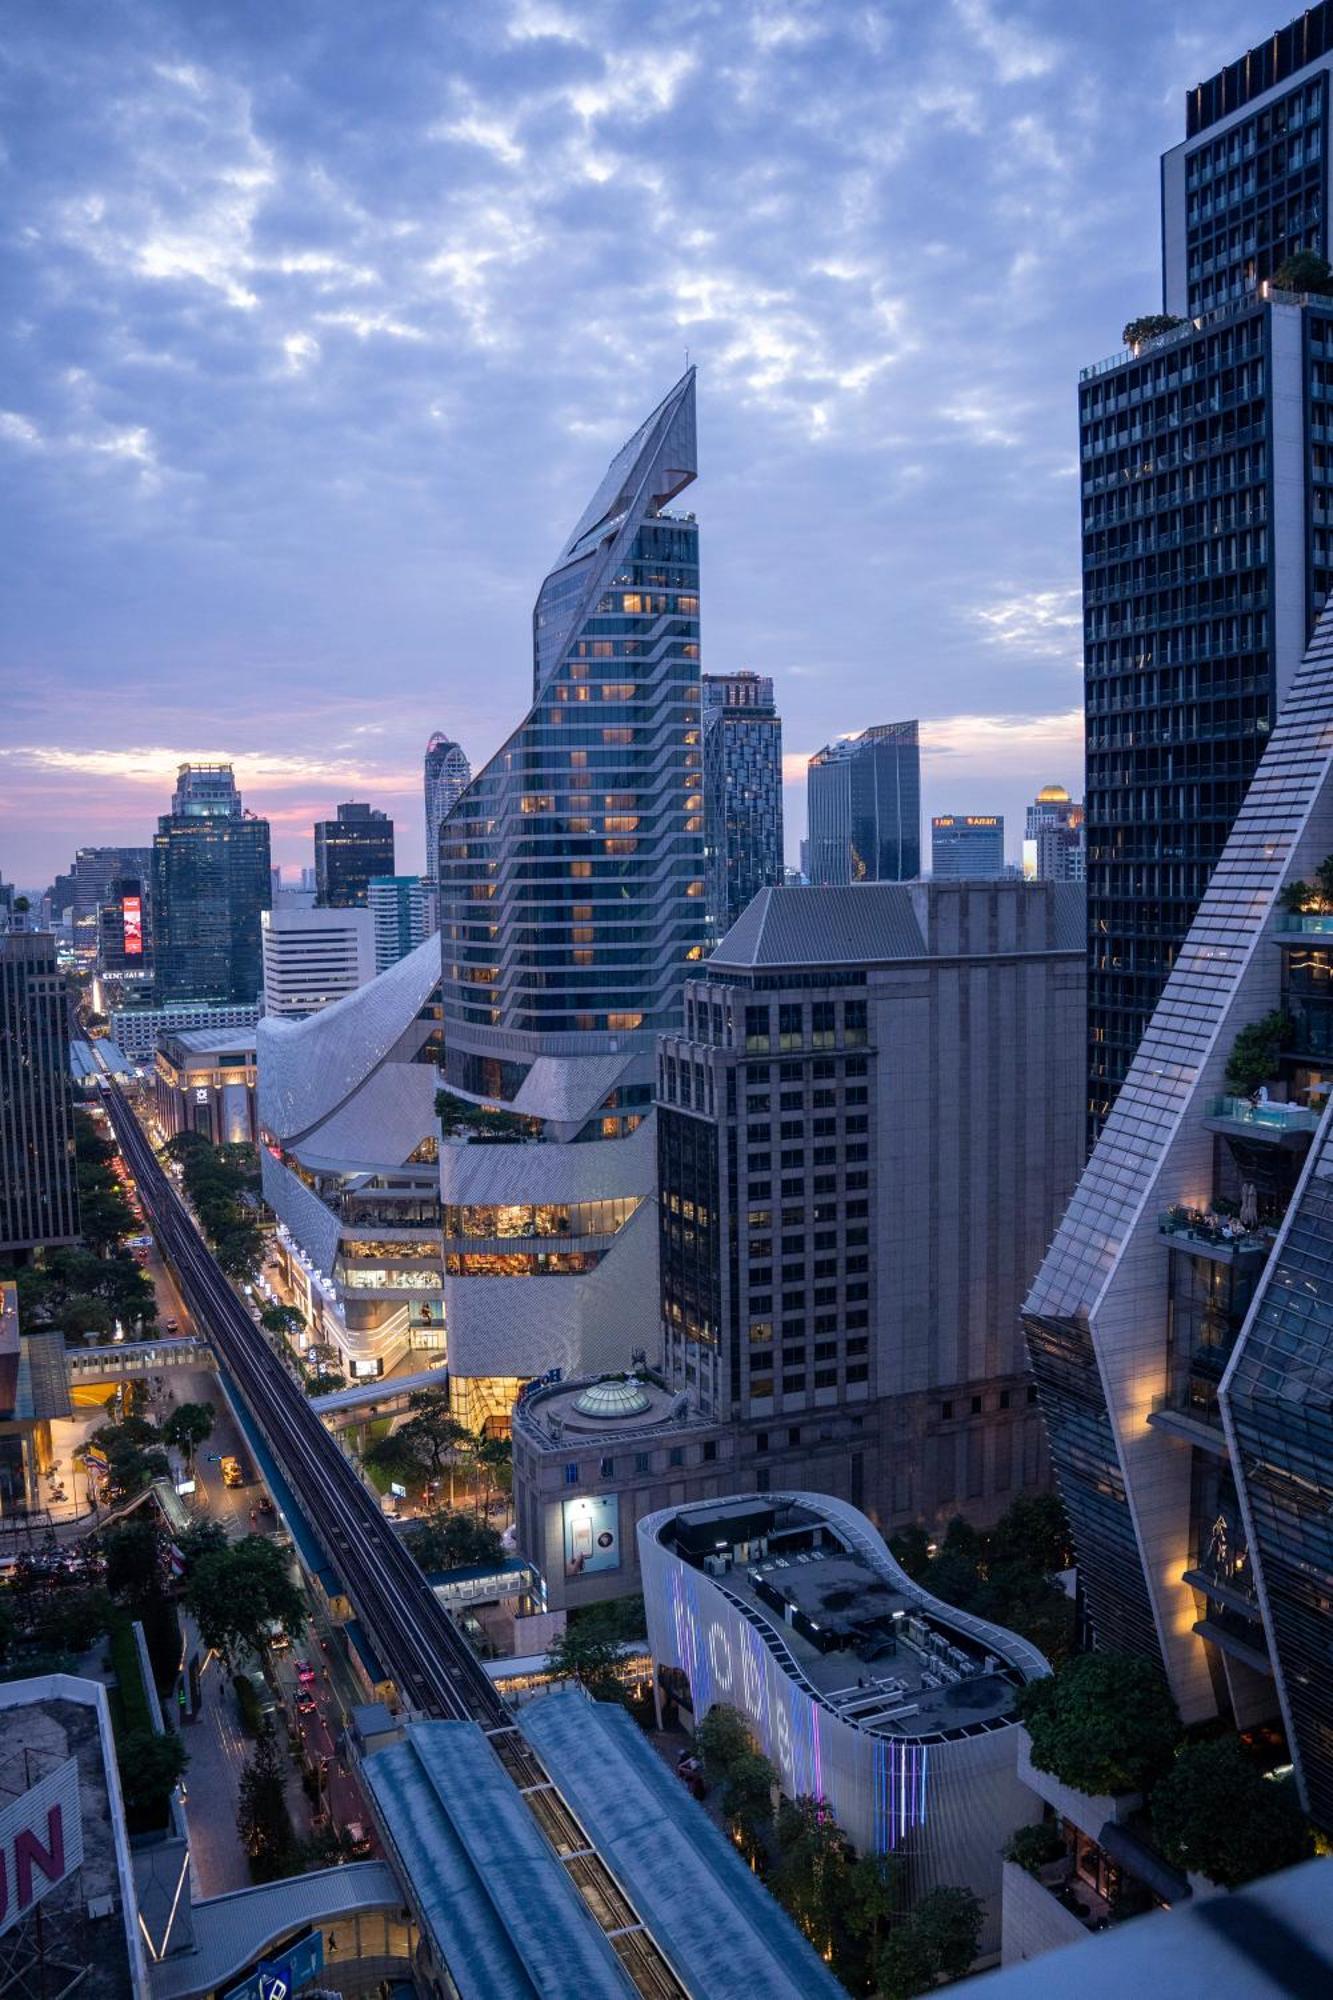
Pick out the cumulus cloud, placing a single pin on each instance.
(328, 325)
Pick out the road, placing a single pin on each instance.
(433, 1668)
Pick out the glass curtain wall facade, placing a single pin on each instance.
(211, 879)
(864, 803)
(1205, 503)
(38, 1195)
(350, 851)
(742, 793)
(447, 775)
(572, 899)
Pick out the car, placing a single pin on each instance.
(356, 1834)
(173, 1326)
(305, 1702)
(305, 1673)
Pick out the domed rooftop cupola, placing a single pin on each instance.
(624, 1397)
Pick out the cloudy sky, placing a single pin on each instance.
(320, 320)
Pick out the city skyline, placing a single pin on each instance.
(286, 287)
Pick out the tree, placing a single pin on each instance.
(911, 1550)
(1103, 1722)
(592, 1661)
(906, 1964)
(1148, 326)
(494, 1459)
(1305, 271)
(70, 1620)
(151, 1766)
(1034, 1533)
(1214, 1812)
(747, 1803)
(618, 1618)
(813, 1854)
(1256, 1051)
(233, 1593)
(134, 1456)
(133, 1553)
(105, 1217)
(445, 1540)
(950, 1921)
(398, 1456)
(201, 1538)
(438, 1439)
(282, 1319)
(721, 1740)
(188, 1426)
(262, 1819)
(239, 1250)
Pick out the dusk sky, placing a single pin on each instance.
(320, 321)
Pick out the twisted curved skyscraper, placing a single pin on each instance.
(446, 774)
(571, 900)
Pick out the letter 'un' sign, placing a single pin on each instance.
(41, 1842)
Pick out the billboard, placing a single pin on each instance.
(41, 1842)
(592, 1534)
(131, 917)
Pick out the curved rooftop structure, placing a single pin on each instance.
(309, 1069)
(861, 1687)
(613, 1400)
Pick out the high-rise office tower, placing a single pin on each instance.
(742, 793)
(967, 847)
(210, 882)
(447, 775)
(571, 902)
(313, 957)
(349, 850)
(1181, 1326)
(124, 930)
(38, 1194)
(1054, 848)
(864, 803)
(400, 914)
(1205, 498)
(866, 1131)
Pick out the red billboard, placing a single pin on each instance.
(131, 912)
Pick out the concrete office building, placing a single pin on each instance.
(137, 1030)
(447, 775)
(967, 847)
(867, 1131)
(349, 850)
(211, 881)
(862, 1689)
(572, 901)
(125, 932)
(864, 807)
(313, 957)
(350, 1167)
(401, 915)
(1206, 491)
(1181, 1326)
(38, 1194)
(742, 743)
(204, 1081)
(1054, 842)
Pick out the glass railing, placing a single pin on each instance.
(1267, 1116)
(1306, 923)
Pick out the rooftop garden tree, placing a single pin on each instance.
(1216, 1813)
(1148, 326)
(1256, 1051)
(937, 1941)
(1306, 271)
(460, 1115)
(1102, 1723)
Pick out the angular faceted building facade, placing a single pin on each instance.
(571, 901)
(1181, 1327)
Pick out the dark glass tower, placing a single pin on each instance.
(446, 774)
(742, 793)
(1206, 501)
(349, 852)
(864, 799)
(211, 879)
(38, 1197)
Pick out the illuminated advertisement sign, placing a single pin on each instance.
(41, 1842)
(592, 1534)
(131, 915)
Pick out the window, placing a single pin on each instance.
(789, 1025)
(676, 1455)
(976, 1406)
(853, 1023)
(946, 1412)
(822, 1023)
(794, 1434)
(643, 1461)
(571, 1475)
(606, 1469)
(761, 1441)
(710, 1450)
(1032, 1394)
(756, 1028)
(1004, 1399)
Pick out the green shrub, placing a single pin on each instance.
(1256, 1051)
(1148, 326)
(1102, 1723)
(1215, 1812)
(1034, 1847)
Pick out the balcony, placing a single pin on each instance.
(1272, 1123)
(1304, 923)
(1205, 1232)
